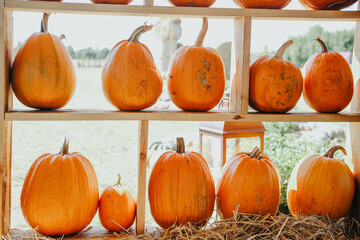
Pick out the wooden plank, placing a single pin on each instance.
(354, 128)
(158, 11)
(149, 2)
(95, 233)
(239, 98)
(6, 45)
(103, 115)
(141, 182)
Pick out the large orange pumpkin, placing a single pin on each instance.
(276, 4)
(193, 3)
(328, 81)
(321, 185)
(113, 1)
(181, 188)
(131, 80)
(196, 80)
(326, 4)
(117, 208)
(249, 184)
(43, 75)
(275, 84)
(60, 194)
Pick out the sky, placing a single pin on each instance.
(84, 31)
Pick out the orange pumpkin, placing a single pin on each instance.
(321, 185)
(275, 84)
(326, 4)
(196, 80)
(276, 4)
(249, 184)
(192, 3)
(43, 75)
(328, 81)
(117, 208)
(181, 188)
(60, 194)
(131, 80)
(113, 1)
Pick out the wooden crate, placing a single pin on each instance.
(239, 92)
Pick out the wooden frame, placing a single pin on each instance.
(239, 95)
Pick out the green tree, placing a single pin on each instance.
(17, 47)
(71, 51)
(101, 54)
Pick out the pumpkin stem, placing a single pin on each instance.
(323, 45)
(65, 147)
(44, 23)
(331, 152)
(279, 54)
(118, 182)
(135, 36)
(180, 145)
(200, 40)
(256, 153)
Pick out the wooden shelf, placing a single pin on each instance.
(103, 115)
(95, 233)
(158, 11)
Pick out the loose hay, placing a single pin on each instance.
(248, 226)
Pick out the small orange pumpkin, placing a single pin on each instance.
(181, 188)
(270, 4)
(113, 1)
(249, 184)
(131, 80)
(43, 75)
(275, 84)
(60, 195)
(326, 4)
(192, 3)
(117, 208)
(321, 185)
(328, 81)
(196, 80)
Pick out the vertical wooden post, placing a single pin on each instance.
(354, 128)
(6, 46)
(200, 142)
(149, 2)
(223, 151)
(239, 98)
(141, 183)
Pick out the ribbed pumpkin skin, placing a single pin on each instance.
(60, 194)
(113, 1)
(43, 75)
(181, 190)
(275, 85)
(131, 80)
(116, 212)
(197, 78)
(326, 4)
(192, 3)
(321, 185)
(328, 82)
(269, 4)
(248, 185)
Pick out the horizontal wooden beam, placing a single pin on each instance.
(103, 115)
(158, 11)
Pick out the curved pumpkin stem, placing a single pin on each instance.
(200, 40)
(180, 145)
(135, 36)
(331, 152)
(118, 182)
(44, 23)
(279, 54)
(65, 147)
(256, 153)
(323, 45)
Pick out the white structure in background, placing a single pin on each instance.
(168, 30)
